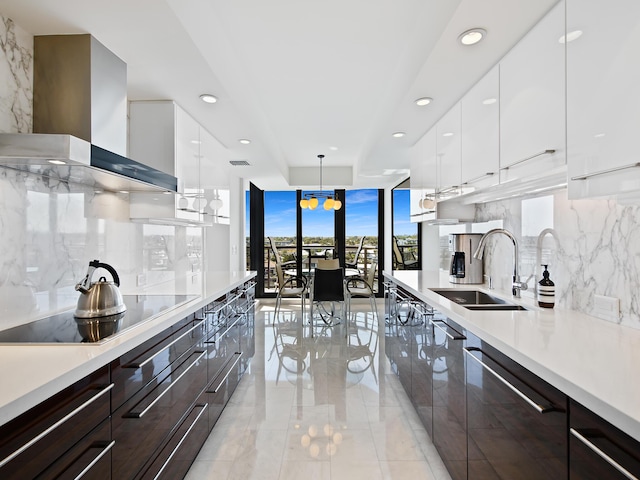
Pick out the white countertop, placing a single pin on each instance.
(593, 361)
(33, 373)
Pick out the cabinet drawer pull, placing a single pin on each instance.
(452, 337)
(539, 154)
(225, 332)
(133, 414)
(602, 455)
(150, 359)
(215, 390)
(605, 172)
(184, 437)
(539, 408)
(102, 453)
(64, 419)
(479, 177)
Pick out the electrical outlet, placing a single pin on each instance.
(606, 308)
(141, 279)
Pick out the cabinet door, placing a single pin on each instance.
(603, 97)
(138, 367)
(449, 404)
(449, 149)
(481, 132)
(397, 348)
(156, 409)
(214, 179)
(421, 376)
(60, 435)
(599, 450)
(423, 167)
(152, 134)
(532, 98)
(180, 451)
(516, 421)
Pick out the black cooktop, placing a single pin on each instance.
(62, 328)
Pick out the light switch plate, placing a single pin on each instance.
(141, 279)
(606, 308)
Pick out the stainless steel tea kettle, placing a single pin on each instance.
(101, 298)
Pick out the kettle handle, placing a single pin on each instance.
(109, 268)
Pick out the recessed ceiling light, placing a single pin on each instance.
(57, 162)
(333, 149)
(570, 37)
(489, 101)
(123, 191)
(208, 98)
(398, 134)
(196, 142)
(599, 135)
(447, 134)
(244, 141)
(473, 36)
(422, 101)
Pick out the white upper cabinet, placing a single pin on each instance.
(164, 136)
(481, 132)
(532, 101)
(214, 179)
(423, 176)
(449, 148)
(603, 97)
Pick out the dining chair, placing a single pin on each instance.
(328, 264)
(399, 259)
(354, 264)
(362, 287)
(292, 287)
(328, 286)
(276, 254)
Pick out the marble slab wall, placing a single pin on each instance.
(49, 231)
(592, 248)
(16, 78)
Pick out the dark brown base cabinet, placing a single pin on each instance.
(408, 347)
(66, 435)
(488, 416)
(449, 408)
(166, 375)
(517, 421)
(598, 450)
(421, 378)
(146, 414)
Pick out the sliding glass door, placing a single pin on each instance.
(304, 236)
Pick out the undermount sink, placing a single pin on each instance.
(503, 306)
(477, 300)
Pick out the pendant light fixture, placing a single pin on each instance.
(310, 200)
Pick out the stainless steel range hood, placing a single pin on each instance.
(74, 161)
(80, 120)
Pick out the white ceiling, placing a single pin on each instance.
(298, 76)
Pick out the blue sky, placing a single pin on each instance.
(361, 214)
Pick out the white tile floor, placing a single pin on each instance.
(318, 408)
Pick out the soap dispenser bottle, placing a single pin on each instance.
(546, 290)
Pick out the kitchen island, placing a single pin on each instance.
(593, 361)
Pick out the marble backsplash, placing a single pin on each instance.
(592, 248)
(49, 231)
(16, 78)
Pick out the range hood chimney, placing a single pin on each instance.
(80, 89)
(80, 118)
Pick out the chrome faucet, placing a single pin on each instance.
(516, 285)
